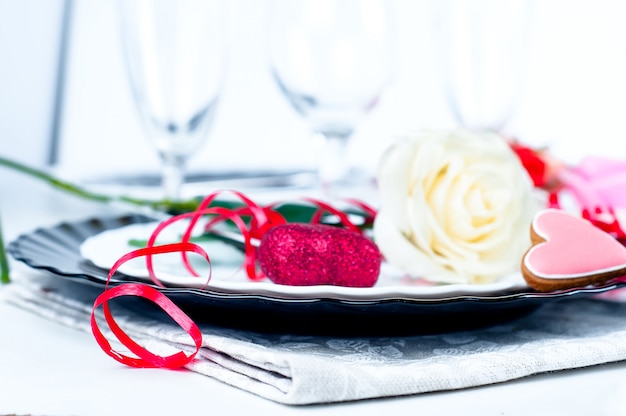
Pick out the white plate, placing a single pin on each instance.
(105, 248)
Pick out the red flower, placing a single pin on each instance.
(533, 162)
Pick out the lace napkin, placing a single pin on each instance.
(305, 369)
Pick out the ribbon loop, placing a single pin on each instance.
(146, 359)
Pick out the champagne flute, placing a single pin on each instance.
(331, 59)
(482, 47)
(175, 54)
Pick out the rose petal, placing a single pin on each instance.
(397, 250)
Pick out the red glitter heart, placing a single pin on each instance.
(315, 254)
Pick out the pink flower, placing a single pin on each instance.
(598, 185)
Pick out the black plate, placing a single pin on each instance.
(57, 250)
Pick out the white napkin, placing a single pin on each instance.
(300, 370)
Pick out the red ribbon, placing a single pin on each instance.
(144, 357)
(262, 218)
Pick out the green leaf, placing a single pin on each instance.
(4, 262)
(204, 238)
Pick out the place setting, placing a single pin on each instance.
(371, 317)
(468, 258)
(286, 365)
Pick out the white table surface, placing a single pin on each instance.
(48, 369)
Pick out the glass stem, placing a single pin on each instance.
(173, 177)
(333, 166)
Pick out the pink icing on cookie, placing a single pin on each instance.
(573, 248)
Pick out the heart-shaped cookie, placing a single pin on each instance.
(569, 251)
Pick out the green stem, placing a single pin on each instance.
(4, 262)
(157, 205)
(293, 212)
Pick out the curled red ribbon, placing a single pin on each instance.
(145, 358)
(261, 219)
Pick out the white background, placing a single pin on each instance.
(573, 100)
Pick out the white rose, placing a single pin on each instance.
(456, 207)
